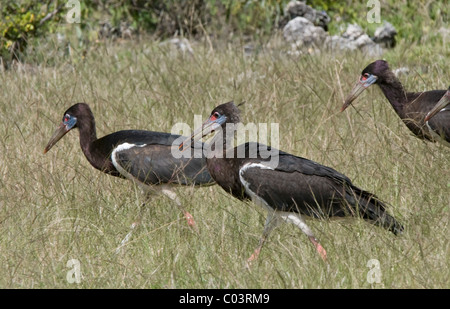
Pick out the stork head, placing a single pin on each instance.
(219, 117)
(69, 121)
(369, 76)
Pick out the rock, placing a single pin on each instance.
(353, 32)
(125, 30)
(352, 39)
(107, 31)
(300, 9)
(385, 35)
(179, 44)
(305, 29)
(249, 49)
(301, 32)
(445, 34)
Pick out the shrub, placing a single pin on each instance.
(20, 21)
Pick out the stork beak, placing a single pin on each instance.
(210, 125)
(360, 86)
(443, 102)
(57, 135)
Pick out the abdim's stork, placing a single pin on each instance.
(412, 107)
(144, 157)
(288, 190)
(440, 106)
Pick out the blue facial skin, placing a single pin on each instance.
(367, 80)
(69, 121)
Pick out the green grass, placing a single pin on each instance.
(56, 207)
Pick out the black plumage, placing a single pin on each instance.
(286, 185)
(411, 107)
(148, 157)
(153, 164)
(142, 156)
(440, 106)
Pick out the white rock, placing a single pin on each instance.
(301, 32)
(182, 45)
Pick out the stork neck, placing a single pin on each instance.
(222, 142)
(394, 92)
(88, 134)
(222, 145)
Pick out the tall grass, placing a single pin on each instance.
(56, 207)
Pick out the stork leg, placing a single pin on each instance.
(173, 196)
(272, 221)
(297, 220)
(149, 194)
(135, 224)
(319, 248)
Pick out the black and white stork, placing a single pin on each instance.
(412, 107)
(440, 106)
(144, 157)
(290, 189)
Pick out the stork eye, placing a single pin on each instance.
(214, 116)
(365, 76)
(66, 118)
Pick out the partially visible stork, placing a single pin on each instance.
(287, 186)
(144, 157)
(412, 107)
(440, 106)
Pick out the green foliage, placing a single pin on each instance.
(20, 21)
(414, 20)
(346, 10)
(417, 21)
(141, 14)
(171, 17)
(252, 17)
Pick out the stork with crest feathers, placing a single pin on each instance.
(287, 186)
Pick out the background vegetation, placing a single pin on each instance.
(56, 207)
(27, 21)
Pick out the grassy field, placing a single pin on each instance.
(56, 207)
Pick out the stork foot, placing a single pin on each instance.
(128, 236)
(322, 252)
(190, 220)
(254, 256)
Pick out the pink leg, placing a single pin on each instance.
(271, 222)
(187, 215)
(319, 248)
(255, 254)
(190, 220)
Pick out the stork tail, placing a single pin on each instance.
(372, 208)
